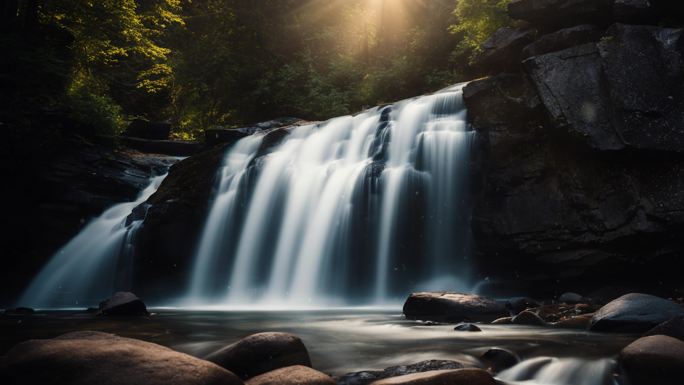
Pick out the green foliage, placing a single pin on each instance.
(95, 111)
(476, 21)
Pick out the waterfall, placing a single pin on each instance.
(94, 263)
(358, 209)
(560, 371)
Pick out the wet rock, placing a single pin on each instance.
(166, 147)
(518, 305)
(557, 13)
(497, 359)
(261, 353)
(292, 375)
(634, 313)
(144, 129)
(124, 304)
(220, 135)
(20, 311)
(528, 318)
(578, 322)
(366, 377)
(101, 358)
(503, 50)
(563, 39)
(436, 377)
(654, 360)
(672, 328)
(503, 321)
(571, 298)
(452, 307)
(467, 327)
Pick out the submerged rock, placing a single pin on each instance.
(123, 303)
(654, 360)
(528, 318)
(366, 377)
(497, 359)
(452, 307)
(260, 353)
(86, 358)
(441, 377)
(634, 313)
(292, 375)
(467, 327)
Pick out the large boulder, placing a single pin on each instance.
(123, 303)
(100, 358)
(563, 39)
(366, 377)
(654, 360)
(144, 129)
(634, 313)
(551, 14)
(528, 318)
(442, 377)
(503, 50)
(672, 328)
(261, 353)
(292, 375)
(452, 307)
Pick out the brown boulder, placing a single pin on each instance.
(654, 360)
(292, 375)
(452, 307)
(442, 377)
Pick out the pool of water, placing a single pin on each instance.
(339, 341)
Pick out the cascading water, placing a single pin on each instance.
(94, 263)
(359, 209)
(560, 371)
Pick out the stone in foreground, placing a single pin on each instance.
(86, 358)
(634, 313)
(260, 353)
(442, 377)
(123, 303)
(453, 307)
(292, 375)
(654, 360)
(367, 377)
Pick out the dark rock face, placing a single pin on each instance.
(261, 353)
(502, 51)
(292, 375)
(635, 313)
(558, 13)
(174, 222)
(452, 307)
(123, 303)
(654, 360)
(562, 39)
(148, 130)
(100, 358)
(672, 328)
(367, 377)
(166, 147)
(219, 135)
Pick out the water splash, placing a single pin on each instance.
(560, 371)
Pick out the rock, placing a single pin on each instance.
(292, 375)
(654, 360)
(453, 307)
(123, 303)
(563, 39)
(571, 298)
(634, 313)
(517, 305)
(260, 353)
(497, 359)
(20, 311)
(101, 358)
(672, 328)
(503, 50)
(551, 14)
(366, 377)
(503, 321)
(166, 147)
(528, 318)
(144, 129)
(467, 327)
(578, 322)
(220, 135)
(438, 377)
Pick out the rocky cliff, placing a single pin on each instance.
(580, 148)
